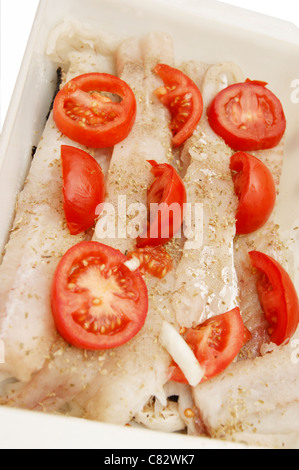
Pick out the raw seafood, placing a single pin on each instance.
(38, 239)
(132, 382)
(206, 283)
(137, 371)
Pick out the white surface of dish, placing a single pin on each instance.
(224, 33)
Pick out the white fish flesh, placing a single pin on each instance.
(255, 401)
(38, 240)
(206, 280)
(137, 371)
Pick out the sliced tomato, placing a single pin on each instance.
(255, 187)
(215, 343)
(183, 99)
(248, 116)
(83, 188)
(154, 260)
(97, 302)
(84, 114)
(278, 297)
(166, 198)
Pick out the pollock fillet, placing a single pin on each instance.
(38, 240)
(268, 240)
(137, 371)
(206, 279)
(255, 400)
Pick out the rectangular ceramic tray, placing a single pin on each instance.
(265, 48)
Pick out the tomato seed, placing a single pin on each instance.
(189, 413)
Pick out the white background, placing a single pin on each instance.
(17, 17)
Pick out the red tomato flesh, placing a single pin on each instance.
(215, 343)
(90, 118)
(255, 187)
(167, 191)
(154, 260)
(83, 188)
(248, 116)
(278, 297)
(183, 99)
(97, 302)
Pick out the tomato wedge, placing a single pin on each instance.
(85, 115)
(248, 116)
(215, 343)
(154, 260)
(183, 99)
(97, 302)
(166, 198)
(278, 297)
(255, 187)
(83, 188)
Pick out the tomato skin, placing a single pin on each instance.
(72, 291)
(183, 99)
(94, 121)
(248, 117)
(278, 297)
(215, 343)
(167, 190)
(83, 188)
(256, 190)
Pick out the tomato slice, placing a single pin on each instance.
(97, 302)
(248, 116)
(154, 260)
(90, 118)
(215, 343)
(83, 188)
(183, 99)
(278, 297)
(169, 194)
(255, 187)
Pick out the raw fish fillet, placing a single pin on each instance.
(255, 401)
(268, 240)
(206, 280)
(38, 240)
(137, 371)
(129, 175)
(119, 382)
(66, 372)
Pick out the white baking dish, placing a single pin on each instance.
(266, 49)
